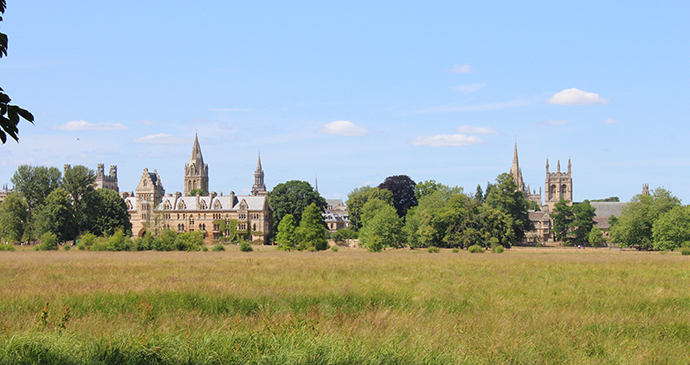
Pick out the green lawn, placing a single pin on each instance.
(524, 306)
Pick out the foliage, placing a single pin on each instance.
(433, 249)
(334, 248)
(6, 247)
(78, 181)
(311, 232)
(9, 114)
(382, 227)
(497, 249)
(86, 241)
(218, 247)
(573, 223)
(634, 226)
(57, 216)
(403, 189)
(164, 242)
(245, 246)
(293, 197)
(609, 199)
(118, 242)
(189, 241)
(359, 197)
(143, 243)
(476, 249)
(685, 251)
(35, 183)
(13, 215)
(455, 250)
(286, 239)
(596, 237)
(200, 192)
(106, 213)
(343, 234)
(671, 229)
(426, 188)
(479, 195)
(49, 242)
(227, 228)
(563, 219)
(505, 197)
(584, 221)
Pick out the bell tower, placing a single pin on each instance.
(559, 185)
(196, 171)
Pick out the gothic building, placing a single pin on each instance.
(559, 185)
(152, 210)
(517, 177)
(104, 181)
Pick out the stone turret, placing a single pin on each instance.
(259, 187)
(196, 171)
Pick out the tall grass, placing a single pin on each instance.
(350, 307)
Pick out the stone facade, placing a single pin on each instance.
(559, 185)
(152, 210)
(104, 181)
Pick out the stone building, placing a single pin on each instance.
(559, 185)
(152, 210)
(104, 181)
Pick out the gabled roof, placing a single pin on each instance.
(607, 209)
(226, 203)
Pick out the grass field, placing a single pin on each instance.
(524, 306)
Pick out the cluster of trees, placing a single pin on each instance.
(430, 214)
(297, 209)
(45, 201)
(575, 223)
(655, 221)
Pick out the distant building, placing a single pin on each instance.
(104, 181)
(151, 209)
(3, 193)
(336, 215)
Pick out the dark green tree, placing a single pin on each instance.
(479, 195)
(563, 219)
(13, 218)
(286, 239)
(312, 229)
(106, 213)
(505, 197)
(201, 192)
(596, 237)
(9, 114)
(403, 189)
(382, 229)
(672, 229)
(78, 181)
(583, 222)
(293, 197)
(57, 216)
(34, 184)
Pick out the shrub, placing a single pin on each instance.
(86, 241)
(67, 247)
(7, 247)
(476, 249)
(246, 246)
(49, 242)
(334, 248)
(433, 249)
(118, 242)
(455, 250)
(204, 249)
(685, 251)
(217, 248)
(498, 249)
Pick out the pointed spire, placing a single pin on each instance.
(515, 169)
(559, 166)
(258, 164)
(569, 166)
(259, 187)
(316, 183)
(196, 158)
(547, 165)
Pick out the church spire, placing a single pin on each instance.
(196, 158)
(515, 170)
(196, 171)
(259, 187)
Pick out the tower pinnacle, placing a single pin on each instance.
(259, 187)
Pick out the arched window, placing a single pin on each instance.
(552, 192)
(564, 189)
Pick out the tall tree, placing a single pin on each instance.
(35, 183)
(563, 219)
(505, 197)
(672, 229)
(13, 218)
(57, 216)
(634, 226)
(403, 191)
(106, 213)
(312, 229)
(78, 182)
(292, 197)
(9, 114)
(357, 201)
(286, 238)
(584, 221)
(383, 229)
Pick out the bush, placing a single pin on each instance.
(204, 249)
(118, 242)
(49, 242)
(334, 248)
(67, 247)
(7, 247)
(86, 241)
(498, 249)
(246, 246)
(217, 248)
(433, 249)
(476, 249)
(455, 250)
(685, 251)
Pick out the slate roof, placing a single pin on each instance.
(607, 209)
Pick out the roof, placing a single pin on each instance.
(607, 209)
(334, 202)
(539, 216)
(187, 203)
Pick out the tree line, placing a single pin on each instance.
(44, 201)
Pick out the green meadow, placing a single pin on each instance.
(524, 306)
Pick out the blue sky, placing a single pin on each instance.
(353, 92)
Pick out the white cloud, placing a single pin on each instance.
(161, 138)
(470, 88)
(231, 110)
(611, 121)
(443, 140)
(461, 69)
(81, 125)
(343, 128)
(555, 122)
(468, 129)
(473, 108)
(576, 97)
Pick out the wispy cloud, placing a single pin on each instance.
(461, 69)
(343, 128)
(161, 138)
(611, 121)
(81, 125)
(468, 129)
(445, 140)
(470, 88)
(576, 97)
(554, 122)
(473, 108)
(231, 110)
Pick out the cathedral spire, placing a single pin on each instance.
(196, 171)
(516, 171)
(259, 187)
(196, 158)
